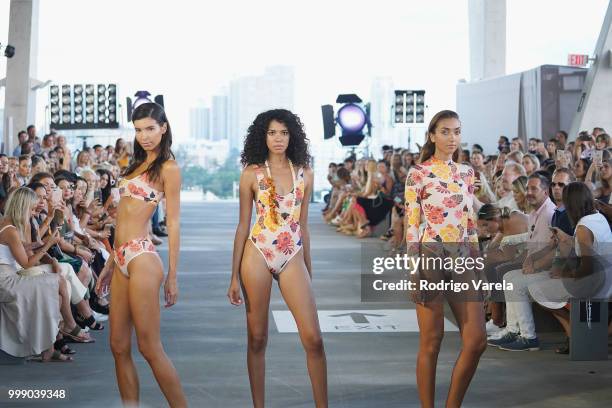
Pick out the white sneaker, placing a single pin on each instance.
(99, 316)
(491, 327)
(497, 335)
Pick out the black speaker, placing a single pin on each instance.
(329, 123)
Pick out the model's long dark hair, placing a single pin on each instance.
(429, 148)
(255, 148)
(155, 112)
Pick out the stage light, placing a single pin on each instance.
(141, 97)
(420, 106)
(66, 104)
(409, 107)
(54, 107)
(89, 103)
(351, 118)
(83, 106)
(112, 103)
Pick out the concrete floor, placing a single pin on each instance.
(206, 339)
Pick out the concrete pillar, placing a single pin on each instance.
(594, 107)
(487, 20)
(20, 100)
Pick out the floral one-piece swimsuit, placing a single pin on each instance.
(276, 232)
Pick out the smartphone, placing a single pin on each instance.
(598, 157)
(398, 200)
(115, 194)
(58, 217)
(560, 155)
(56, 196)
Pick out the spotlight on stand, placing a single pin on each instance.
(142, 97)
(353, 119)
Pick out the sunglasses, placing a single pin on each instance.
(562, 185)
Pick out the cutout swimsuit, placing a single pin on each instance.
(278, 238)
(138, 188)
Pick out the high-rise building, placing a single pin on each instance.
(199, 123)
(219, 117)
(251, 95)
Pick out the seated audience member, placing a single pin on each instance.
(582, 267)
(520, 334)
(511, 172)
(33, 302)
(504, 252)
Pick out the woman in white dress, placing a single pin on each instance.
(32, 302)
(588, 274)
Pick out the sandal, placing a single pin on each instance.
(564, 349)
(387, 235)
(56, 357)
(76, 335)
(61, 346)
(88, 322)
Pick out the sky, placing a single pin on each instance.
(190, 50)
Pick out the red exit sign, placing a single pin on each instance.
(577, 60)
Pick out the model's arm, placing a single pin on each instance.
(172, 190)
(247, 179)
(308, 179)
(412, 198)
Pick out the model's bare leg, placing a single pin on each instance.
(146, 276)
(471, 320)
(256, 282)
(120, 324)
(296, 289)
(430, 317)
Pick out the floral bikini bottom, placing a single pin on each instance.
(130, 250)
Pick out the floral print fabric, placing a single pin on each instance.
(139, 188)
(440, 195)
(277, 238)
(130, 250)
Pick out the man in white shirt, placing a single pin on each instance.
(519, 334)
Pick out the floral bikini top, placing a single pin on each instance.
(139, 188)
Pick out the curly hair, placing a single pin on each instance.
(255, 147)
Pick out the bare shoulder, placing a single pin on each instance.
(249, 171)
(308, 172)
(170, 166)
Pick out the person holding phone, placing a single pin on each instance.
(137, 275)
(29, 297)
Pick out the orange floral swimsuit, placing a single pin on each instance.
(276, 233)
(137, 188)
